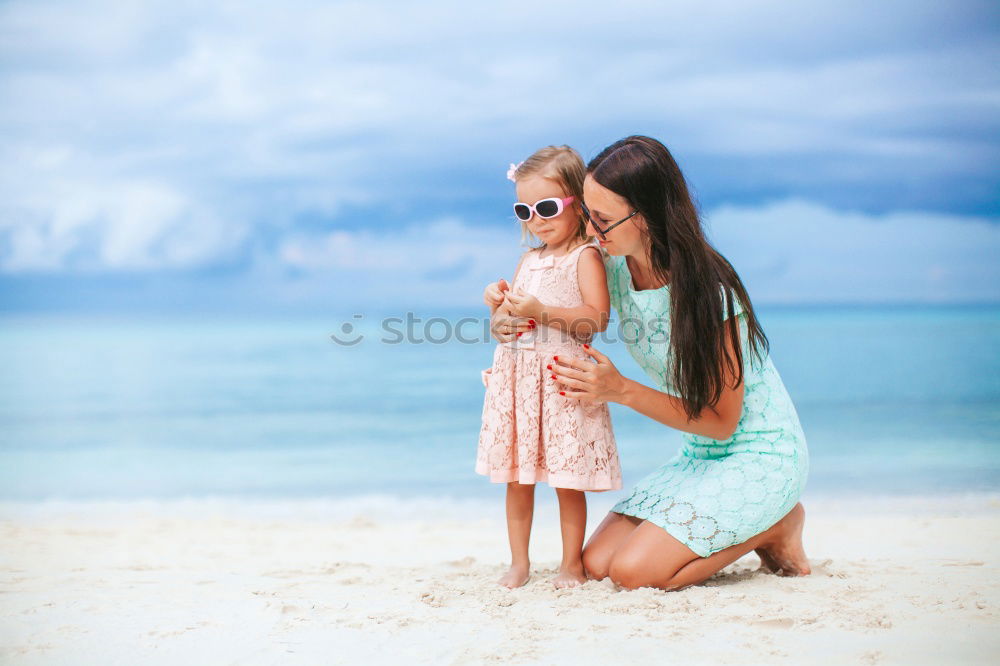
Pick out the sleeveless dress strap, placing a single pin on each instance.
(577, 251)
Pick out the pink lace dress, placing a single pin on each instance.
(530, 433)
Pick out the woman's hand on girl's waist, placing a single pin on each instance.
(591, 382)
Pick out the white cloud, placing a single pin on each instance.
(445, 262)
(786, 252)
(179, 134)
(127, 225)
(797, 251)
(790, 251)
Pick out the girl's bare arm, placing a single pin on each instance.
(593, 315)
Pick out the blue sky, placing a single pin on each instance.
(337, 156)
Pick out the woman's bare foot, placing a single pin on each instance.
(767, 562)
(570, 577)
(785, 555)
(516, 576)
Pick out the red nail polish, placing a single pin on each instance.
(556, 357)
(562, 392)
(518, 335)
(548, 367)
(531, 321)
(553, 376)
(586, 346)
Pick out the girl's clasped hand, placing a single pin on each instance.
(503, 325)
(599, 381)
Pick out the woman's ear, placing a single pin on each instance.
(584, 224)
(640, 223)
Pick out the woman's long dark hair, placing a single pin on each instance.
(643, 171)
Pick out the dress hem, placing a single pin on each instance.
(595, 484)
(648, 516)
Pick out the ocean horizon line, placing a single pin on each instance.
(478, 309)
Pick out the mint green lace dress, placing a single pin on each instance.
(712, 494)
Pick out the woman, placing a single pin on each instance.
(689, 323)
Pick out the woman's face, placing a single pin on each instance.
(554, 230)
(606, 208)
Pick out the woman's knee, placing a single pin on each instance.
(626, 572)
(595, 562)
(631, 573)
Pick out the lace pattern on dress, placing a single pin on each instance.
(529, 432)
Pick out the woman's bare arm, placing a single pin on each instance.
(601, 381)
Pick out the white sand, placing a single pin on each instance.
(312, 582)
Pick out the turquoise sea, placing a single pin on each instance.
(898, 400)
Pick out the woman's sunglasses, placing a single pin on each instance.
(544, 209)
(602, 231)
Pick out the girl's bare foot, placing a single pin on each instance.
(570, 577)
(785, 555)
(516, 576)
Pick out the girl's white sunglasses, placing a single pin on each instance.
(544, 208)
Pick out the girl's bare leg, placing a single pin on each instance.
(613, 531)
(520, 510)
(652, 558)
(573, 523)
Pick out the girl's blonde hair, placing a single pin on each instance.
(563, 165)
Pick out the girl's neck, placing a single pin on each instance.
(561, 248)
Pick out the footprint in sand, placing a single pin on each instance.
(435, 600)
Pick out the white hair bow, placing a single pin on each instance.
(513, 170)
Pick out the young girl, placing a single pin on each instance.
(531, 432)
